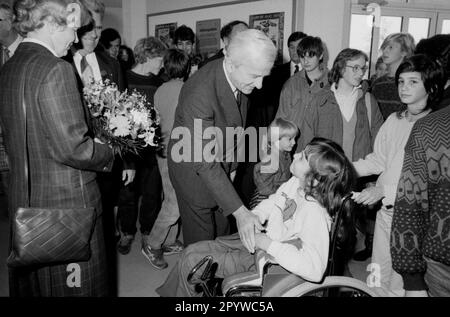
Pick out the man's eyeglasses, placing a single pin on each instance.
(357, 68)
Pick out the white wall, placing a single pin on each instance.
(157, 6)
(134, 13)
(328, 19)
(113, 19)
(228, 13)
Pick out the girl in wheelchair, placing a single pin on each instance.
(298, 219)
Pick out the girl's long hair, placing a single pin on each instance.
(331, 178)
(332, 175)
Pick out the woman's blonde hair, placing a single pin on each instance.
(286, 128)
(405, 40)
(148, 47)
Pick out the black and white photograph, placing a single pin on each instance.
(218, 155)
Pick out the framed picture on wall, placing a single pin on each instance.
(208, 37)
(164, 32)
(273, 25)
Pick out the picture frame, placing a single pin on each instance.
(272, 24)
(164, 32)
(208, 37)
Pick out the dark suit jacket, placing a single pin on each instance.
(61, 154)
(218, 55)
(109, 69)
(206, 96)
(265, 101)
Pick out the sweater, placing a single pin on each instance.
(291, 216)
(386, 93)
(420, 224)
(387, 156)
(144, 84)
(166, 101)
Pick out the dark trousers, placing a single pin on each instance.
(200, 223)
(148, 186)
(114, 193)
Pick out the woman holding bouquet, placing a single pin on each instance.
(61, 155)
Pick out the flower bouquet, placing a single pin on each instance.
(126, 121)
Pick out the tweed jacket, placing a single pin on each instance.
(3, 157)
(61, 155)
(207, 96)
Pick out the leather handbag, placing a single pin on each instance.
(44, 237)
(48, 236)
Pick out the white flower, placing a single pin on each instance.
(148, 137)
(139, 118)
(120, 125)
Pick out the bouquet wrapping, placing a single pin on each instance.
(126, 121)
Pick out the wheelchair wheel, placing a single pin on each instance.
(333, 286)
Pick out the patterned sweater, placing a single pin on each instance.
(421, 222)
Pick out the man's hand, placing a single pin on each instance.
(128, 176)
(247, 224)
(369, 196)
(416, 294)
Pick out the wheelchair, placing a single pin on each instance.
(271, 280)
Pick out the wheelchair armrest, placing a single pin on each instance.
(249, 279)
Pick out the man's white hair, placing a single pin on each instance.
(251, 44)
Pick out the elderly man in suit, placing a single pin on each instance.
(214, 100)
(263, 107)
(44, 123)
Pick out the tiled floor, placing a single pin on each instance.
(137, 278)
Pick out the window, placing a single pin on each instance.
(419, 28)
(443, 23)
(445, 27)
(389, 25)
(420, 23)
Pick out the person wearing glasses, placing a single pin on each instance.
(345, 109)
(349, 115)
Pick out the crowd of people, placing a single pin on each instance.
(330, 132)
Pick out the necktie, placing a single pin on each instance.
(238, 99)
(86, 71)
(5, 56)
(296, 69)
